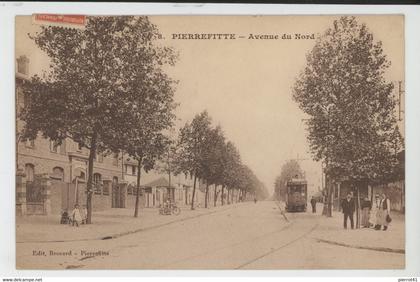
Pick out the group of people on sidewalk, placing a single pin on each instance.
(376, 214)
(76, 217)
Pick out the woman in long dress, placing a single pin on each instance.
(374, 215)
(384, 211)
(366, 205)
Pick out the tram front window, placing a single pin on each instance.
(294, 189)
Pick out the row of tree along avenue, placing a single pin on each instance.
(351, 127)
(107, 90)
(204, 153)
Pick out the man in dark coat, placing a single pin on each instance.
(313, 204)
(348, 210)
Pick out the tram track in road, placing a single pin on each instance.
(227, 246)
(171, 223)
(272, 251)
(259, 242)
(290, 223)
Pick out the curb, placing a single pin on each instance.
(117, 235)
(378, 249)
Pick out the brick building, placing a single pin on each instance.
(51, 177)
(42, 164)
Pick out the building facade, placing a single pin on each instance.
(51, 177)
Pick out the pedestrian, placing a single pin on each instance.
(75, 215)
(366, 206)
(255, 200)
(313, 203)
(167, 206)
(64, 217)
(348, 210)
(84, 214)
(384, 212)
(374, 213)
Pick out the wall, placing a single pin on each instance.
(395, 191)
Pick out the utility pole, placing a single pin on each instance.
(298, 160)
(171, 192)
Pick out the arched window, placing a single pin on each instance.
(130, 188)
(30, 172)
(58, 173)
(97, 182)
(97, 178)
(115, 180)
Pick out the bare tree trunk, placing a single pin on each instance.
(233, 195)
(330, 191)
(358, 209)
(171, 193)
(215, 195)
(136, 208)
(223, 195)
(193, 194)
(206, 196)
(186, 196)
(327, 209)
(89, 187)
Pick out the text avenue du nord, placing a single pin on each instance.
(233, 36)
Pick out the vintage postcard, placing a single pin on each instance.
(210, 142)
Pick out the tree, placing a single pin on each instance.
(350, 105)
(90, 93)
(167, 162)
(249, 184)
(193, 140)
(153, 105)
(230, 174)
(289, 170)
(213, 164)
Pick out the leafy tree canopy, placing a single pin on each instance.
(350, 105)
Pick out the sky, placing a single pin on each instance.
(246, 84)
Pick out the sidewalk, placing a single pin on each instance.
(331, 231)
(107, 224)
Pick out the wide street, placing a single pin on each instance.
(241, 236)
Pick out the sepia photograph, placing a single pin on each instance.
(201, 142)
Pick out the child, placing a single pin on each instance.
(75, 215)
(64, 217)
